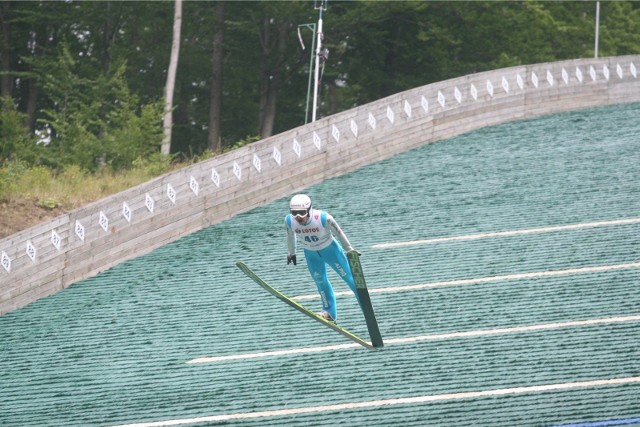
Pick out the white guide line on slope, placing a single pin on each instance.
(508, 233)
(516, 276)
(421, 338)
(396, 401)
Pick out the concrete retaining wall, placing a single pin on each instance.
(44, 259)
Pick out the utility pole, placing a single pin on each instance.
(595, 49)
(322, 6)
(312, 27)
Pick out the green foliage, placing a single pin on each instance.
(16, 143)
(33, 178)
(133, 132)
(97, 121)
(99, 68)
(73, 186)
(48, 203)
(154, 164)
(94, 73)
(241, 143)
(10, 175)
(205, 155)
(620, 28)
(72, 174)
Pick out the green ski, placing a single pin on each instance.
(365, 300)
(242, 266)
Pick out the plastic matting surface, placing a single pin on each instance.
(503, 266)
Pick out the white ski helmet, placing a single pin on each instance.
(300, 202)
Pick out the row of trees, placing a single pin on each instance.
(94, 74)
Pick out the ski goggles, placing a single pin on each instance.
(303, 212)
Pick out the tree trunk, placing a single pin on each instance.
(6, 83)
(110, 28)
(32, 104)
(43, 40)
(268, 106)
(271, 78)
(265, 43)
(332, 96)
(215, 104)
(171, 78)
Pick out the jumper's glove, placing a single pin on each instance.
(357, 253)
(291, 259)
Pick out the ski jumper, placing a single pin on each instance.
(321, 249)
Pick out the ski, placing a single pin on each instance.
(365, 301)
(253, 276)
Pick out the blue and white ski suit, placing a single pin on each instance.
(321, 249)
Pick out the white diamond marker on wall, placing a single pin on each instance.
(79, 230)
(215, 177)
(605, 72)
(32, 253)
(104, 222)
(171, 194)
(632, 68)
(505, 84)
(441, 99)
(534, 79)
(193, 184)
(237, 171)
(257, 163)
(592, 73)
(474, 92)
(317, 141)
(619, 70)
(126, 212)
(6, 262)
(335, 133)
(354, 128)
(579, 74)
(565, 76)
(149, 202)
(425, 104)
(296, 147)
(390, 114)
(277, 156)
(490, 88)
(407, 108)
(56, 241)
(457, 95)
(550, 78)
(372, 121)
(520, 82)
